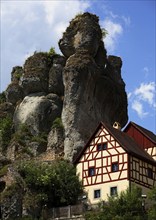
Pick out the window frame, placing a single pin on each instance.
(89, 171)
(150, 173)
(102, 145)
(98, 195)
(116, 191)
(113, 164)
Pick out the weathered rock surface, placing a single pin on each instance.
(76, 87)
(14, 93)
(6, 109)
(90, 79)
(81, 88)
(35, 76)
(83, 33)
(55, 140)
(38, 112)
(55, 75)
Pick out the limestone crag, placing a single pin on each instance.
(75, 87)
(54, 103)
(90, 79)
(38, 112)
(55, 75)
(36, 73)
(83, 33)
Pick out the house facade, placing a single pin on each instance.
(111, 162)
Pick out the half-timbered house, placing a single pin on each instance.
(112, 161)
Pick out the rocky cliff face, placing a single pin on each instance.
(55, 102)
(90, 79)
(75, 87)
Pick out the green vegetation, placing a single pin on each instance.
(22, 134)
(2, 97)
(152, 210)
(10, 191)
(104, 32)
(41, 138)
(126, 206)
(53, 184)
(57, 123)
(18, 76)
(5, 132)
(3, 170)
(52, 51)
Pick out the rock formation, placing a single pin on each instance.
(90, 79)
(61, 99)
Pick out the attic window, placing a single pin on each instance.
(150, 173)
(91, 171)
(102, 146)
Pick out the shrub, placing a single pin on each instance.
(52, 184)
(5, 132)
(57, 123)
(41, 138)
(22, 134)
(2, 97)
(104, 32)
(3, 170)
(52, 51)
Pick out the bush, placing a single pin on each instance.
(126, 206)
(41, 138)
(54, 184)
(22, 134)
(2, 97)
(5, 132)
(52, 51)
(3, 170)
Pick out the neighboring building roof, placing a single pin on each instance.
(127, 142)
(149, 134)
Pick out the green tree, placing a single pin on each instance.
(152, 209)
(54, 184)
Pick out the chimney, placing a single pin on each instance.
(117, 125)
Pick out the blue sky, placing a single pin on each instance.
(28, 26)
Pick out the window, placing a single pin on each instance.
(115, 167)
(113, 191)
(97, 193)
(91, 171)
(150, 173)
(102, 146)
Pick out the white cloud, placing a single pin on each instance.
(138, 107)
(28, 26)
(143, 97)
(114, 30)
(146, 71)
(146, 92)
(127, 20)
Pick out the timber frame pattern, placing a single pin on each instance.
(121, 159)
